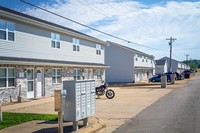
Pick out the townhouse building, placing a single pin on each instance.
(161, 67)
(37, 55)
(176, 66)
(127, 64)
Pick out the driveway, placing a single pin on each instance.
(127, 103)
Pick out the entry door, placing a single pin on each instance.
(30, 82)
(39, 82)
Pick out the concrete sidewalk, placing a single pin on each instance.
(127, 103)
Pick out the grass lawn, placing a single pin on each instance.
(11, 119)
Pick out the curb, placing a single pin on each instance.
(93, 128)
(131, 84)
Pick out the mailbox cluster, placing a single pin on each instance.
(80, 100)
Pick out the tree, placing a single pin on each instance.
(194, 64)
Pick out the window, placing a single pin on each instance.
(30, 80)
(7, 77)
(99, 74)
(98, 49)
(7, 30)
(11, 29)
(77, 74)
(142, 60)
(55, 40)
(76, 46)
(136, 59)
(56, 75)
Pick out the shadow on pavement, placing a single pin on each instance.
(66, 128)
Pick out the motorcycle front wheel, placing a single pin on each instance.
(110, 94)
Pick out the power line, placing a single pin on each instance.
(119, 38)
(177, 57)
(187, 55)
(189, 48)
(105, 14)
(142, 20)
(123, 14)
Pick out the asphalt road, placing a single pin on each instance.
(177, 112)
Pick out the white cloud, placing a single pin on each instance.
(133, 21)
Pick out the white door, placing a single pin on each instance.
(30, 83)
(39, 82)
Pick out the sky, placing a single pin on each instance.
(145, 23)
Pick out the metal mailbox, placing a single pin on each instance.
(80, 102)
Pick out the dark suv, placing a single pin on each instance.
(157, 78)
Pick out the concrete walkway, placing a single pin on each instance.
(127, 103)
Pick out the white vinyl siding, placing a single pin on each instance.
(7, 30)
(98, 49)
(56, 75)
(7, 77)
(55, 40)
(76, 44)
(40, 46)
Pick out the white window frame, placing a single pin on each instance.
(55, 40)
(76, 44)
(99, 74)
(30, 80)
(56, 76)
(7, 31)
(98, 49)
(7, 77)
(77, 74)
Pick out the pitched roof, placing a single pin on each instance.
(131, 49)
(160, 62)
(167, 58)
(49, 23)
(33, 61)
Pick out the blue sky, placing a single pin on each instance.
(13, 4)
(146, 22)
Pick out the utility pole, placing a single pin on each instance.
(187, 55)
(171, 40)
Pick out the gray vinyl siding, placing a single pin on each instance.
(35, 42)
(121, 64)
(174, 64)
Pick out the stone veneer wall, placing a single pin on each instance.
(11, 93)
(21, 80)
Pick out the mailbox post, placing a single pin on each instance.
(59, 95)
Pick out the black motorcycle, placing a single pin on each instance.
(103, 89)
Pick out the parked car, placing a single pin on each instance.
(177, 75)
(158, 78)
(181, 76)
(187, 73)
